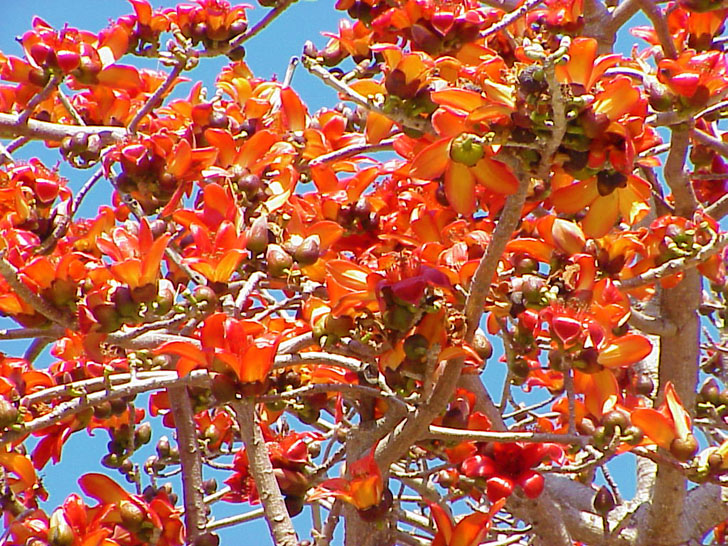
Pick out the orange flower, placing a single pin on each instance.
(462, 155)
(363, 489)
(608, 196)
(243, 346)
(669, 425)
(469, 531)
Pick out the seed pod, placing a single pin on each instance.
(236, 54)
(258, 235)
(710, 391)
(279, 261)
(613, 419)
(207, 539)
(633, 435)
(102, 410)
(308, 252)
(294, 505)
(603, 501)
(111, 460)
(684, 449)
(205, 296)
(132, 516)
(482, 345)
(209, 486)
(643, 385)
(143, 434)
(8, 413)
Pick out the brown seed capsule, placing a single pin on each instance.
(603, 501)
(279, 261)
(308, 252)
(710, 391)
(205, 296)
(258, 235)
(8, 413)
(613, 419)
(482, 346)
(643, 385)
(132, 515)
(684, 449)
(209, 486)
(143, 434)
(294, 505)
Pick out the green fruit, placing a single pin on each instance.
(416, 347)
(466, 149)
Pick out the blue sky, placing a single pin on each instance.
(267, 54)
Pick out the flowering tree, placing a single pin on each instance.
(308, 299)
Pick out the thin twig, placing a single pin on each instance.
(246, 290)
(659, 21)
(417, 124)
(332, 521)
(65, 409)
(267, 19)
(38, 98)
(68, 106)
(63, 219)
(353, 150)
(236, 519)
(54, 132)
(480, 284)
(675, 266)
(453, 434)
(156, 98)
(510, 18)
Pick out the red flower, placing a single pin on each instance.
(507, 465)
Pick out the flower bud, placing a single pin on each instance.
(603, 501)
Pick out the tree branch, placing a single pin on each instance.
(190, 461)
(276, 514)
(11, 127)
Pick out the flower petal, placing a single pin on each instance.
(460, 188)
